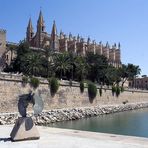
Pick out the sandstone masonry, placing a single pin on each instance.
(67, 97)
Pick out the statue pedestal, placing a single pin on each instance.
(24, 129)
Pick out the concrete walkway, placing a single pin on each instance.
(63, 138)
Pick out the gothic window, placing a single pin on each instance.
(42, 28)
(31, 35)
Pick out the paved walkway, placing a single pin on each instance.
(63, 138)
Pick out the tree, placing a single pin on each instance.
(112, 76)
(72, 58)
(92, 91)
(97, 65)
(22, 49)
(27, 60)
(32, 63)
(128, 72)
(54, 86)
(47, 62)
(62, 63)
(123, 73)
(133, 71)
(81, 68)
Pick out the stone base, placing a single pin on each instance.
(24, 129)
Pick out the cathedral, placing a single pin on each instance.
(61, 42)
(57, 43)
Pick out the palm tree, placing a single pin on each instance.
(97, 65)
(133, 71)
(32, 64)
(72, 57)
(62, 63)
(49, 61)
(112, 76)
(123, 73)
(81, 67)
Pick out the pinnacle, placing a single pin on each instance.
(40, 17)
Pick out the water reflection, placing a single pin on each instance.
(134, 123)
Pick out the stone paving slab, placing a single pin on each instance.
(63, 138)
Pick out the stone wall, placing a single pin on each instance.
(66, 97)
(57, 115)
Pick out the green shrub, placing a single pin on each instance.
(70, 82)
(24, 80)
(49, 80)
(117, 91)
(92, 91)
(125, 102)
(82, 86)
(86, 83)
(100, 91)
(122, 89)
(34, 82)
(54, 86)
(113, 90)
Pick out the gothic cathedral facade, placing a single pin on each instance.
(61, 42)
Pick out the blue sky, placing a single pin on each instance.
(124, 21)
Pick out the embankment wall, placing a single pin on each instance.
(66, 97)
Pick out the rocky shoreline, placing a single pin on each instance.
(67, 114)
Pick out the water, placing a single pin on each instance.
(133, 123)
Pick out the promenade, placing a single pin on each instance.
(63, 138)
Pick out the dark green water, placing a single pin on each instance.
(133, 123)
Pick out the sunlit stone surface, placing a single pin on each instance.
(55, 138)
(24, 129)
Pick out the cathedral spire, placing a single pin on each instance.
(41, 17)
(61, 34)
(54, 38)
(70, 36)
(54, 30)
(29, 33)
(107, 44)
(88, 40)
(30, 25)
(40, 24)
(119, 46)
(78, 38)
